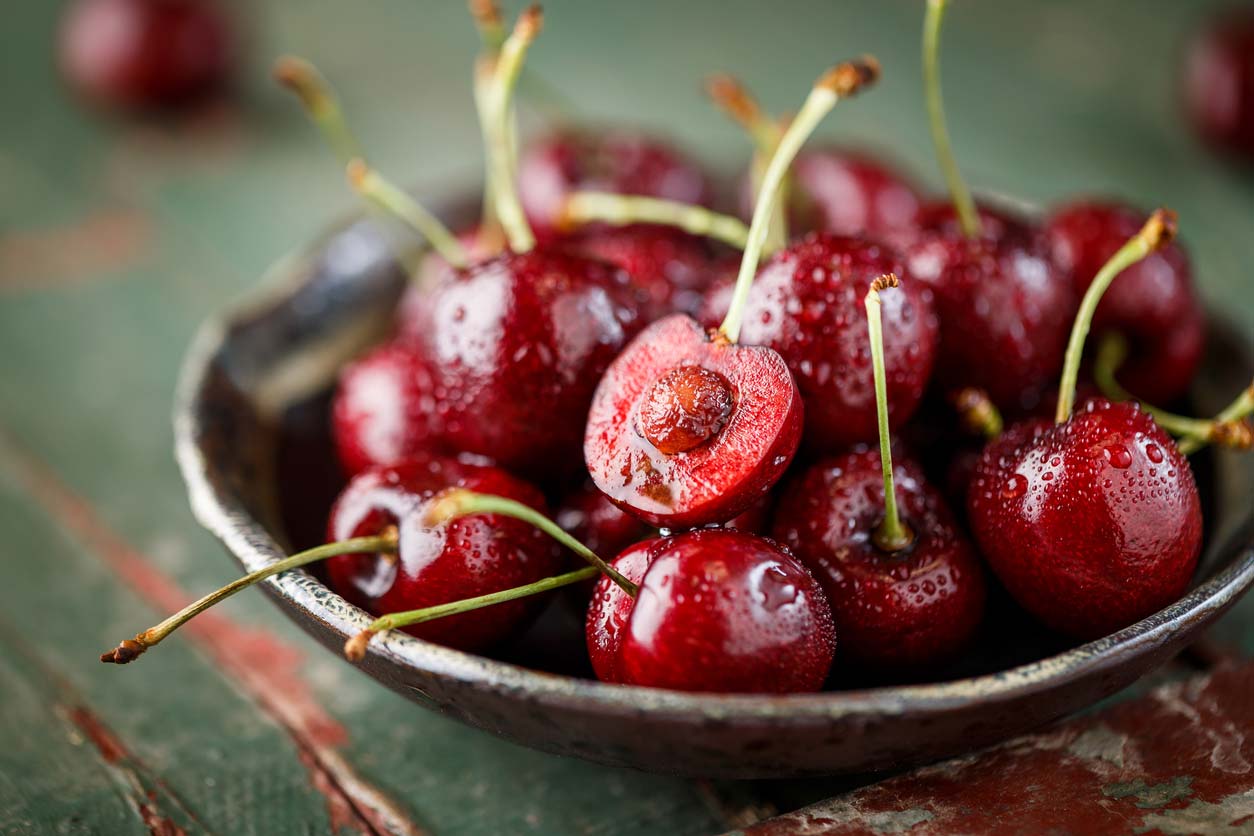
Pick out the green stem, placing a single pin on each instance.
(978, 413)
(891, 534)
(837, 83)
(498, 131)
(458, 502)
(964, 205)
(320, 103)
(383, 195)
(1157, 233)
(621, 210)
(355, 648)
(128, 651)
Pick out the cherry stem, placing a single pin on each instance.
(1228, 429)
(355, 648)
(320, 104)
(891, 535)
(839, 82)
(458, 502)
(964, 205)
(622, 210)
(131, 649)
(488, 23)
(376, 190)
(498, 129)
(734, 99)
(1156, 234)
(978, 413)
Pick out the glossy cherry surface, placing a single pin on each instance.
(806, 303)
(1091, 524)
(1003, 305)
(1152, 303)
(1219, 82)
(687, 429)
(615, 160)
(902, 611)
(519, 343)
(716, 610)
(146, 53)
(468, 556)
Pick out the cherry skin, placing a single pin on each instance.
(806, 303)
(716, 610)
(146, 54)
(468, 556)
(1091, 524)
(687, 429)
(1219, 83)
(616, 161)
(1003, 305)
(379, 415)
(899, 611)
(1152, 303)
(520, 342)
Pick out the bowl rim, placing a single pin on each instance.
(253, 547)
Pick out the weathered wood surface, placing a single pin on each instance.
(117, 237)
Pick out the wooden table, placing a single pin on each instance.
(117, 237)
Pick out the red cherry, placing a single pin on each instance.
(468, 556)
(1152, 303)
(917, 607)
(382, 412)
(1003, 305)
(806, 303)
(734, 410)
(1091, 524)
(1219, 82)
(608, 161)
(146, 53)
(717, 611)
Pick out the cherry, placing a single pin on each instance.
(1094, 522)
(716, 610)
(1152, 303)
(905, 588)
(1219, 82)
(146, 54)
(689, 428)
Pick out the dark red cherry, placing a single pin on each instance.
(1091, 524)
(590, 517)
(520, 342)
(904, 610)
(468, 556)
(146, 54)
(716, 610)
(688, 429)
(382, 413)
(616, 161)
(1004, 307)
(806, 303)
(1219, 82)
(1152, 303)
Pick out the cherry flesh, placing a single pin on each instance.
(146, 54)
(1219, 83)
(1091, 524)
(716, 610)
(1152, 303)
(687, 429)
(616, 161)
(1004, 307)
(806, 303)
(468, 556)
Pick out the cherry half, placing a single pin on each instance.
(716, 610)
(1092, 523)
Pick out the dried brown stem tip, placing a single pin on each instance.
(356, 170)
(884, 282)
(299, 76)
(977, 413)
(529, 23)
(735, 100)
(1160, 229)
(1235, 435)
(355, 648)
(486, 14)
(127, 651)
(848, 78)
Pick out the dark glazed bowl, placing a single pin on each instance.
(256, 378)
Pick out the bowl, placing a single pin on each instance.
(252, 442)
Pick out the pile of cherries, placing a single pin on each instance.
(722, 429)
